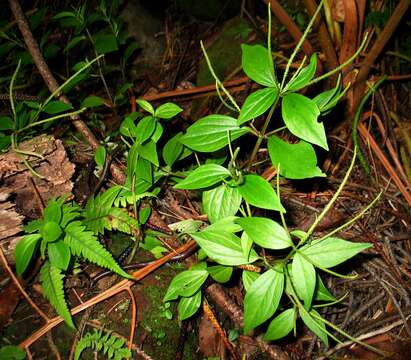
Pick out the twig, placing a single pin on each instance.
(133, 317)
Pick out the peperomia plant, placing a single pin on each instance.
(289, 285)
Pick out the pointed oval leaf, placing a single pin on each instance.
(265, 232)
(50, 231)
(258, 192)
(56, 107)
(321, 293)
(295, 161)
(300, 114)
(226, 224)
(304, 77)
(145, 128)
(148, 151)
(210, 133)
(246, 244)
(92, 101)
(185, 284)
(248, 278)
(257, 103)
(262, 299)
(221, 202)
(316, 326)
(304, 279)
(220, 273)
(145, 105)
(257, 66)
(281, 325)
(24, 251)
(173, 149)
(100, 156)
(167, 111)
(332, 251)
(204, 176)
(223, 247)
(6, 123)
(59, 254)
(188, 306)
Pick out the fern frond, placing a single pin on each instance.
(52, 283)
(119, 219)
(69, 213)
(84, 243)
(110, 344)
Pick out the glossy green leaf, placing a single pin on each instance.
(300, 114)
(173, 149)
(167, 111)
(145, 128)
(304, 76)
(316, 326)
(257, 103)
(145, 105)
(185, 284)
(220, 273)
(10, 352)
(329, 98)
(304, 279)
(223, 247)
(204, 176)
(265, 232)
(158, 132)
(257, 66)
(100, 156)
(221, 202)
(246, 244)
(92, 102)
(227, 224)
(148, 151)
(50, 231)
(52, 212)
(6, 123)
(262, 298)
(248, 278)
(128, 128)
(295, 161)
(321, 293)
(258, 192)
(24, 251)
(59, 254)
(144, 170)
(56, 107)
(281, 325)
(105, 43)
(210, 133)
(332, 251)
(188, 306)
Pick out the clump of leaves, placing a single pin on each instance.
(109, 345)
(63, 236)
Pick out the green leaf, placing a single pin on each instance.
(220, 273)
(167, 111)
(329, 98)
(52, 212)
(257, 103)
(221, 202)
(56, 107)
(246, 244)
(295, 161)
(258, 192)
(304, 76)
(173, 149)
(92, 102)
(209, 133)
(24, 251)
(6, 123)
(185, 284)
(145, 128)
(265, 232)
(223, 247)
(74, 41)
(332, 251)
(52, 283)
(204, 176)
(317, 327)
(257, 66)
(128, 128)
(300, 114)
(248, 278)
(105, 43)
(84, 243)
(321, 293)
(281, 325)
(148, 151)
(158, 132)
(304, 278)
(146, 106)
(188, 306)
(59, 254)
(143, 170)
(50, 231)
(10, 352)
(262, 298)
(226, 224)
(100, 156)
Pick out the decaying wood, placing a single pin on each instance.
(21, 191)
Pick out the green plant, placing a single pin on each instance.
(290, 285)
(109, 345)
(10, 352)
